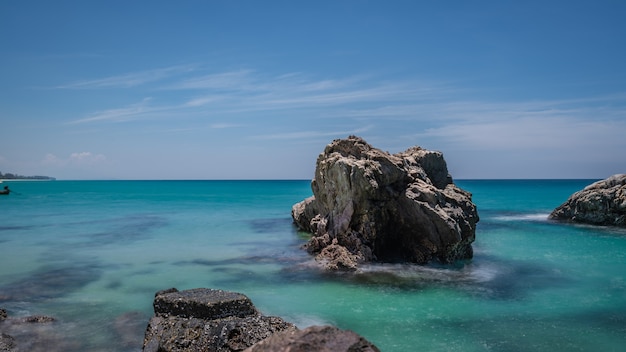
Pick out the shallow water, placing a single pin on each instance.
(92, 254)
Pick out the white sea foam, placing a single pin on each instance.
(304, 321)
(469, 273)
(523, 217)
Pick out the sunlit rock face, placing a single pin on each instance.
(369, 205)
(601, 203)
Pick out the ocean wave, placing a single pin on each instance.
(523, 217)
(304, 321)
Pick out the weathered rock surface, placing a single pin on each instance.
(369, 205)
(7, 343)
(314, 338)
(601, 203)
(215, 320)
(206, 320)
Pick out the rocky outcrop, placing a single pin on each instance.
(369, 205)
(215, 320)
(601, 203)
(7, 343)
(207, 320)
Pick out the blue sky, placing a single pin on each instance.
(256, 89)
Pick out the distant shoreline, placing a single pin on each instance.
(26, 179)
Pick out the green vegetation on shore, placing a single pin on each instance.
(10, 176)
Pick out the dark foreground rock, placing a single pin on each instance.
(369, 205)
(215, 320)
(314, 338)
(601, 203)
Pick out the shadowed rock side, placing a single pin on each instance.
(369, 205)
(601, 203)
(214, 320)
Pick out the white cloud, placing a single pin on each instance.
(75, 159)
(51, 159)
(200, 101)
(560, 126)
(86, 158)
(529, 133)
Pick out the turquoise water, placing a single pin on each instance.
(92, 254)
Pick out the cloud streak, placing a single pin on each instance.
(129, 80)
(245, 91)
(123, 114)
(75, 159)
(312, 134)
(410, 109)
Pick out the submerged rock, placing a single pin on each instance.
(601, 203)
(214, 320)
(36, 333)
(7, 343)
(369, 205)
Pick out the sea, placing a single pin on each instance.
(92, 254)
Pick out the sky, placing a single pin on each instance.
(256, 89)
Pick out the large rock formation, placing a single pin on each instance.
(369, 205)
(601, 203)
(221, 321)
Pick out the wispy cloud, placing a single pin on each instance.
(75, 159)
(354, 105)
(129, 80)
(247, 92)
(564, 125)
(254, 93)
(310, 134)
(127, 113)
(240, 80)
